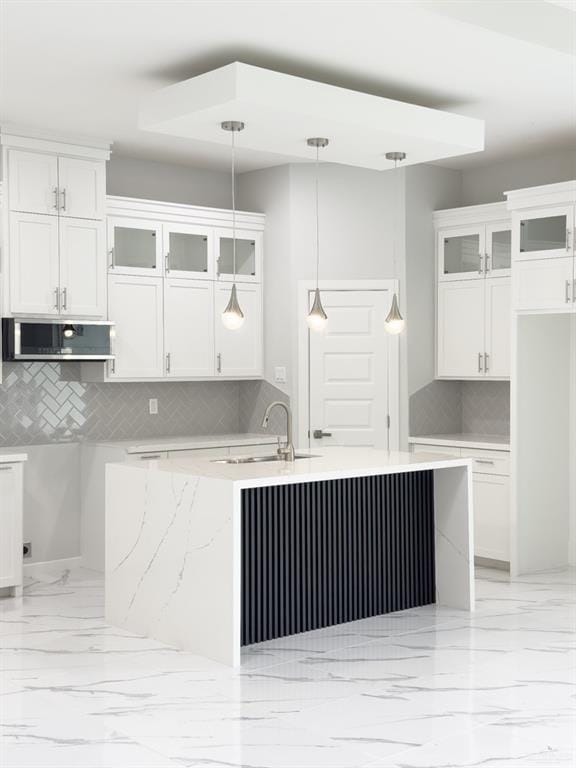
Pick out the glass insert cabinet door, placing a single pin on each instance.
(545, 233)
(498, 249)
(248, 256)
(188, 251)
(461, 253)
(134, 246)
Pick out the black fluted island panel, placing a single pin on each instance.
(323, 553)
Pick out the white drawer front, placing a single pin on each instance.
(488, 462)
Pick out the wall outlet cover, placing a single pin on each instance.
(153, 406)
(280, 373)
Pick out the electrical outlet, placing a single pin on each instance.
(280, 373)
(153, 406)
(27, 549)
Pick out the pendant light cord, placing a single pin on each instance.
(233, 206)
(395, 234)
(317, 219)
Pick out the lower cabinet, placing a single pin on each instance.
(11, 526)
(491, 483)
(492, 516)
(540, 284)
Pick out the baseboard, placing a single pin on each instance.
(52, 566)
(488, 562)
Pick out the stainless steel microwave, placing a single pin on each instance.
(27, 339)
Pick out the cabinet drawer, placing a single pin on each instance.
(448, 450)
(488, 462)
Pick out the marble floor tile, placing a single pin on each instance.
(425, 688)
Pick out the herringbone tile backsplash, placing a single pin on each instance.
(42, 403)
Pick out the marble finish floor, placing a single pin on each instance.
(425, 688)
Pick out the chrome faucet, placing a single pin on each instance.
(285, 451)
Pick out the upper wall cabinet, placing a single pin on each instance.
(248, 256)
(54, 241)
(543, 253)
(56, 185)
(473, 242)
(134, 246)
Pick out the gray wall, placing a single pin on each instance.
(487, 183)
(134, 177)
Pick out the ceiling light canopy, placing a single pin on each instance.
(283, 110)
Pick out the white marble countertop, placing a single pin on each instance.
(12, 458)
(489, 442)
(333, 463)
(153, 444)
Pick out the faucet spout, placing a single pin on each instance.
(287, 450)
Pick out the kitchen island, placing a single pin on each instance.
(210, 556)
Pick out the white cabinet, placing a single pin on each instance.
(239, 352)
(498, 319)
(473, 242)
(11, 526)
(34, 264)
(57, 185)
(33, 182)
(492, 516)
(189, 327)
(135, 246)
(461, 252)
(135, 305)
(248, 256)
(473, 332)
(82, 268)
(460, 333)
(82, 188)
(544, 284)
(543, 251)
(188, 251)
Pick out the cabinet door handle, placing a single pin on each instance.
(112, 366)
(568, 240)
(167, 262)
(487, 263)
(5, 469)
(484, 461)
(567, 296)
(481, 264)
(65, 298)
(63, 193)
(143, 457)
(55, 193)
(167, 362)
(219, 363)
(112, 258)
(480, 356)
(57, 299)
(486, 359)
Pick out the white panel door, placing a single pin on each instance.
(239, 353)
(461, 329)
(189, 327)
(34, 264)
(33, 182)
(135, 306)
(349, 371)
(82, 267)
(498, 327)
(543, 284)
(10, 526)
(82, 188)
(492, 516)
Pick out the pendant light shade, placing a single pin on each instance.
(395, 323)
(317, 317)
(233, 317)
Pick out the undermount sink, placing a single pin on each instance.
(259, 459)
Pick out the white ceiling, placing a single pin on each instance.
(84, 67)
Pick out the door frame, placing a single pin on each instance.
(305, 288)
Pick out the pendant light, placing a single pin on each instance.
(233, 317)
(317, 317)
(394, 323)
